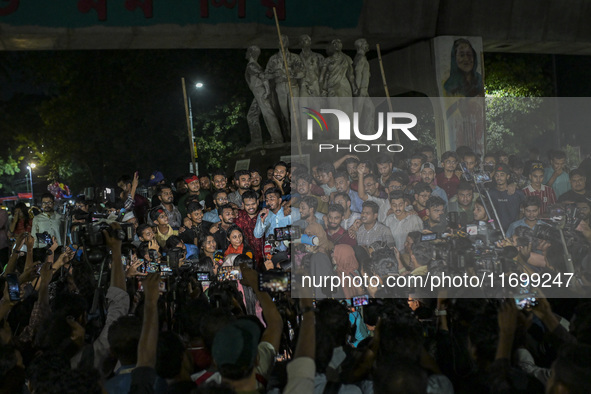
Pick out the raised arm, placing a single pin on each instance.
(114, 244)
(360, 186)
(272, 333)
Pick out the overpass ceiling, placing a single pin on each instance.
(524, 26)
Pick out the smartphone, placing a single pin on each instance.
(229, 273)
(44, 238)
(151, 268)
(142, 267)
(428, 237)
(205, 284)
(360, 300)
(203, 276)
(482, 177)
(165, 270)
(526, 301)
(162, 287)
(13, 287)
(153, 255)
(275, 281)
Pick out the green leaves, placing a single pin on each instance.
(220, 133)
(515, 85)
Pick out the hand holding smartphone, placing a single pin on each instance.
(13, 288)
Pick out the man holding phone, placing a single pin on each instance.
(49, 221)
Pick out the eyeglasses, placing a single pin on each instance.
(47, 203)
(537, 166)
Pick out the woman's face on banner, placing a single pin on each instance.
(465, 58)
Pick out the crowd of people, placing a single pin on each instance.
(162, 288)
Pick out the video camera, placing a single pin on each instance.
(174, 256)
(294, 234)
(479, 177)
(462, 252)
(560, 216)
(564, 218)
(91, 234)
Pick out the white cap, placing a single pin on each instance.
(128, 216)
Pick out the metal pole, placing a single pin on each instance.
(293, 108)
(189, 115)
(385, 84)
(31, 179)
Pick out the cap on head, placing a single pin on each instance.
(155, 178)
(428, 165)
(502, 168)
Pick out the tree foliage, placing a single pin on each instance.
(101, 114)
(221, 133)
(514, 107)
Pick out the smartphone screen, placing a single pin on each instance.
(229, 273)
(162, 286)
(361, 300)
(275, 281)
(13, 287)
(202, 276)
(525, 301)
(428, 237)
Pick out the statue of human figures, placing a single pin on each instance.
(275, 71)
(363, 104)
(259, 85)
(337, 78)
(312, 61)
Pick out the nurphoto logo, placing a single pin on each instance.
(386, 121)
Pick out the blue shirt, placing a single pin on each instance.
(272, 221)
(562, 183)
(356, 201)
(212, 216)
(439, 192)
(520, 222)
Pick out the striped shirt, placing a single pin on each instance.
(545, 194)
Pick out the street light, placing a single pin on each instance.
(30, 168)
(198, 85)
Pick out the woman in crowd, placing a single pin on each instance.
(237, 242)
(21, 221)
(207, 249)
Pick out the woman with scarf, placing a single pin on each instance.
(237, 242)
(346, 265)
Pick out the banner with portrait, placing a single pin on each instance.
(460, 77)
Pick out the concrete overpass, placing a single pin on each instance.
(525, 26)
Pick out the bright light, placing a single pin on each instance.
(33, 165)
(198, 85)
